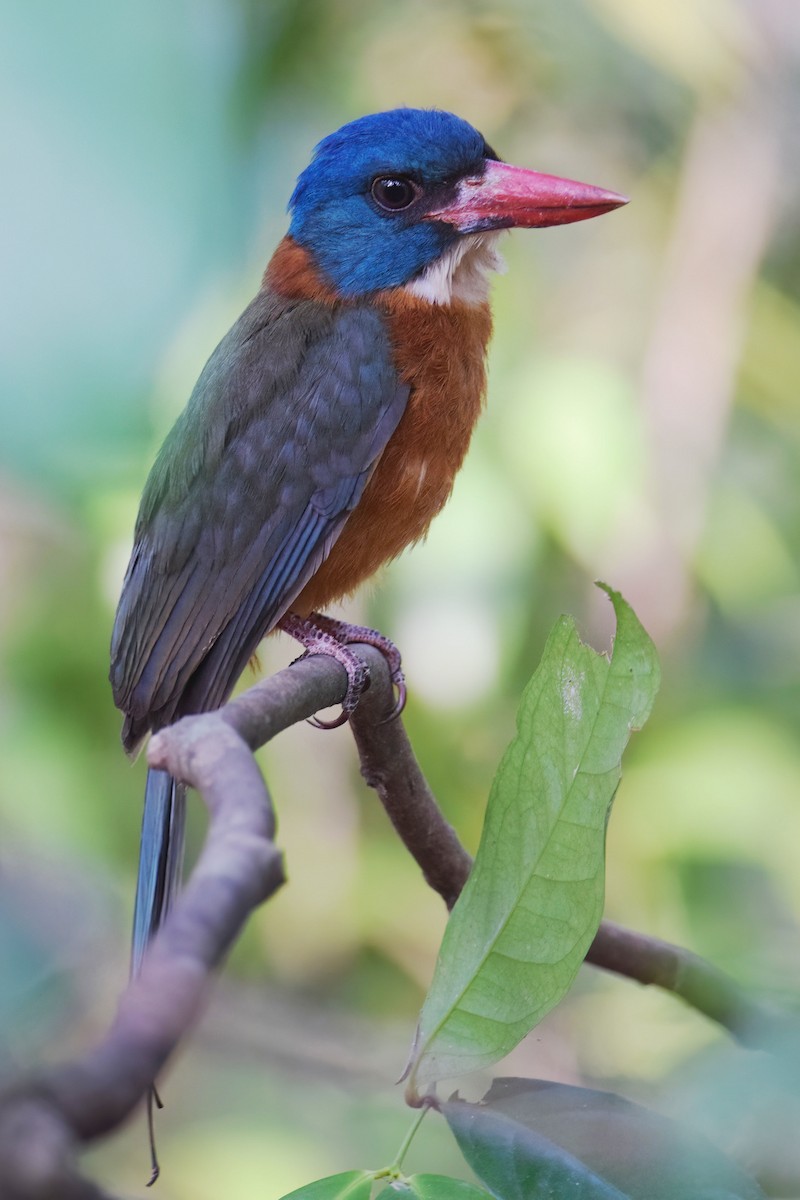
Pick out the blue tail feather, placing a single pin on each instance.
(160, 858)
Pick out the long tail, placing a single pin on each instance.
(160, 858)
(160, 864)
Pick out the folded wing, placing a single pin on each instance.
(246, 498)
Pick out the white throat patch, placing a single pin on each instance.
(461, 273)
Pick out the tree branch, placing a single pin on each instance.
(42, 1119)
(389, 765)
(701, 985)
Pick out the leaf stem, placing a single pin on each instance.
(408, 1139)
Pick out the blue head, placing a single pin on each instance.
(362, 207)
(388, 194)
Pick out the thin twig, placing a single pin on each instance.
(389, 765)
(650, 961)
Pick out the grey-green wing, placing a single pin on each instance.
(248, 494)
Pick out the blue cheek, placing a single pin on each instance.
(365, 252)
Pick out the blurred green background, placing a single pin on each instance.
(643, 427)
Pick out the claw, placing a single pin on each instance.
(400, 700)
(317, 723)
(324, 635)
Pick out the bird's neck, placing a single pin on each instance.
(291, 273)
(459, 276)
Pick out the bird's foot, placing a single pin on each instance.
(347, 634)
(319, 634)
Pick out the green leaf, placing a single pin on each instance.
(519, 1164)
(532, 904)
(638, 1152)
(350, 1185)
(435, 1187)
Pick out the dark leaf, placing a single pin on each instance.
(517, 1163)
(644, 1155)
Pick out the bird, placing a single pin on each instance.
(324, 433)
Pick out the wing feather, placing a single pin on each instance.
(246, 497)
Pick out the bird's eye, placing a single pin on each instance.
(393, 192)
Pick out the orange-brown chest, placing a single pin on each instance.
(440, 352)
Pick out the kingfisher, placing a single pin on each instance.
(323, 434)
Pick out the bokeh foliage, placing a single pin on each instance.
(642, 427)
